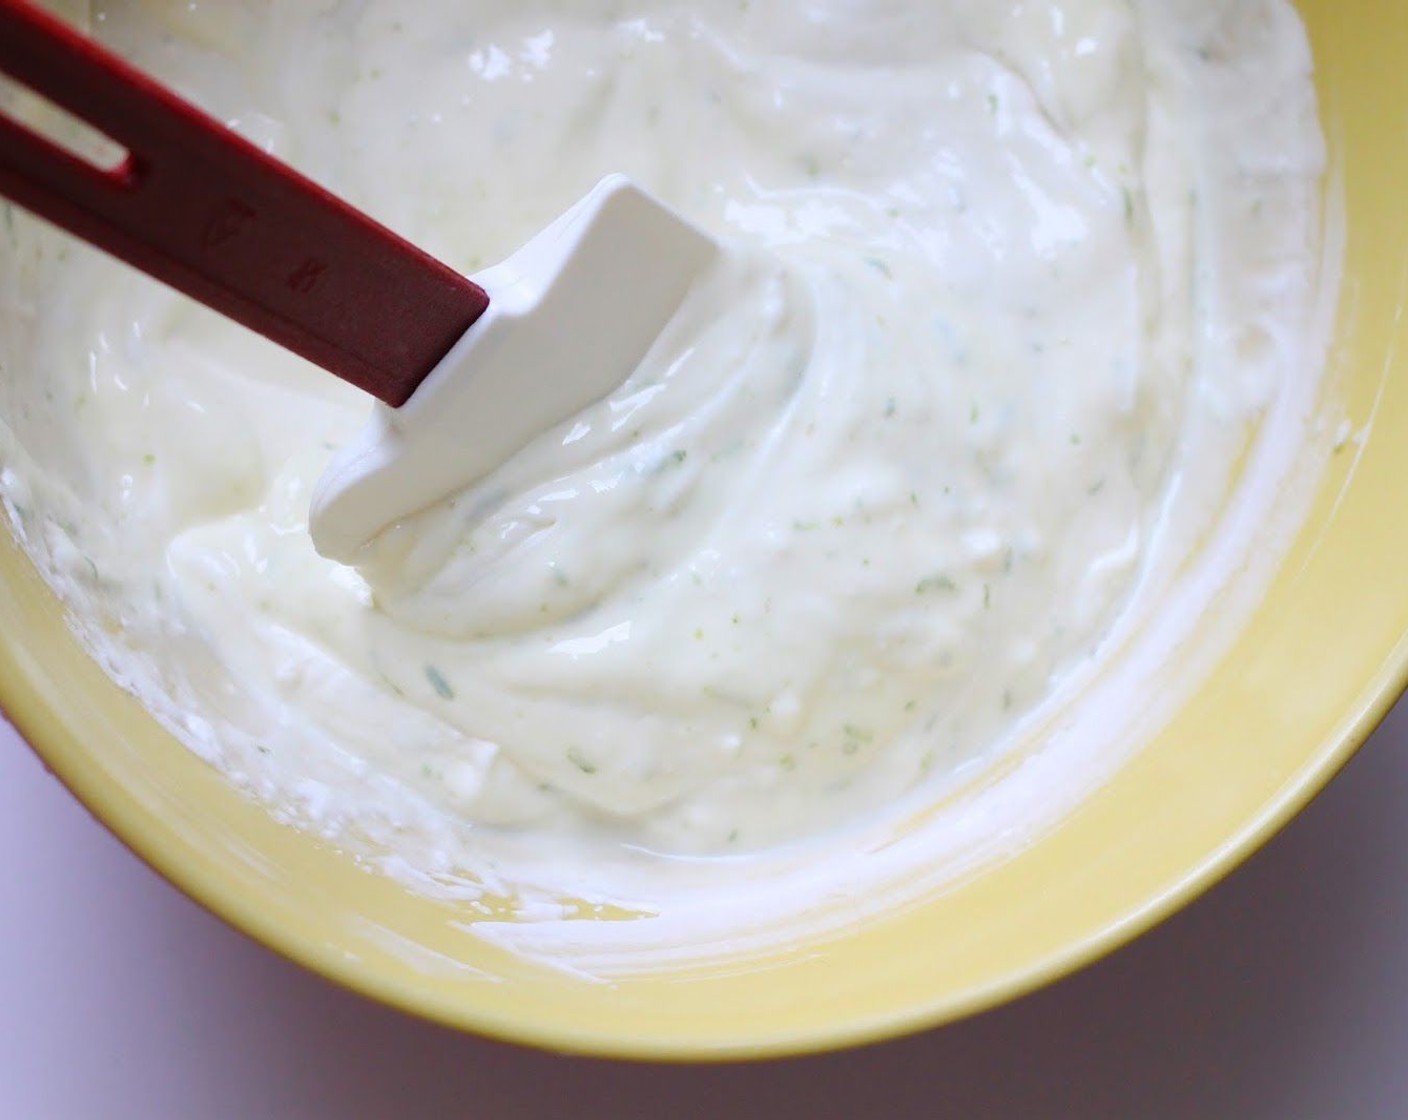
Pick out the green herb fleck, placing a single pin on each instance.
(439, 683)
(890, 406)
(882, 266)
(673, 459)
(858, 734)
(987, 596)
(580, 761)
(935, 583)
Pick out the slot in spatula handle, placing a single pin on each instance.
(207, 212)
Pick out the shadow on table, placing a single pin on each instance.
(1252, 1003)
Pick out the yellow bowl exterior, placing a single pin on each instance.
(1318, 665)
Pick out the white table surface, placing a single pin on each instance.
(1284, 994)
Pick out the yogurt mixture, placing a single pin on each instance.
(1013, 291)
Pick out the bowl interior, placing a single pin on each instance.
(1319, 663)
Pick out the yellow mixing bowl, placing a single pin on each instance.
(1307, 679)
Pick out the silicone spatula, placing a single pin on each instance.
(465, 371)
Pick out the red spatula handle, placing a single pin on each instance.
(201, 209)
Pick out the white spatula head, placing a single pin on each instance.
(571, 316)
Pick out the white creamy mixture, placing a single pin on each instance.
(1012, 289)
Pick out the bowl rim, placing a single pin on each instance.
(35, 704)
